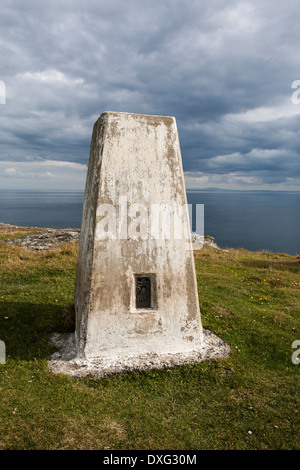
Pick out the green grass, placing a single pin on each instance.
(249, 400)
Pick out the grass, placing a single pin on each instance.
(249, 400)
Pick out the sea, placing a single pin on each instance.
(254, 220)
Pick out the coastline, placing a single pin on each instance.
(46, 238)
(256, 222)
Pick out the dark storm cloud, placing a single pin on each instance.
(224, 69)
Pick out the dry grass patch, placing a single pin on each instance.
(83, 434)
(223, 311)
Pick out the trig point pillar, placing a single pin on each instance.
(136, 297)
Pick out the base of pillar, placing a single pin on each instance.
(64, 361)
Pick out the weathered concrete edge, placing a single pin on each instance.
(64, 362)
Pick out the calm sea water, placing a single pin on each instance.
(253, 220)
(41, 208)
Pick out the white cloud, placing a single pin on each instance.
(242, 17)
(266, 114)
(43, 174)
(237, 181)
(10, 172)
(51, 77)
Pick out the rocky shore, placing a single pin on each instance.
(42, 239)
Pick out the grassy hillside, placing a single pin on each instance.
(249, 400)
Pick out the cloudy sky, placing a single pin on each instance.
(227, 70)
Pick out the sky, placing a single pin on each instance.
(228, 71)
